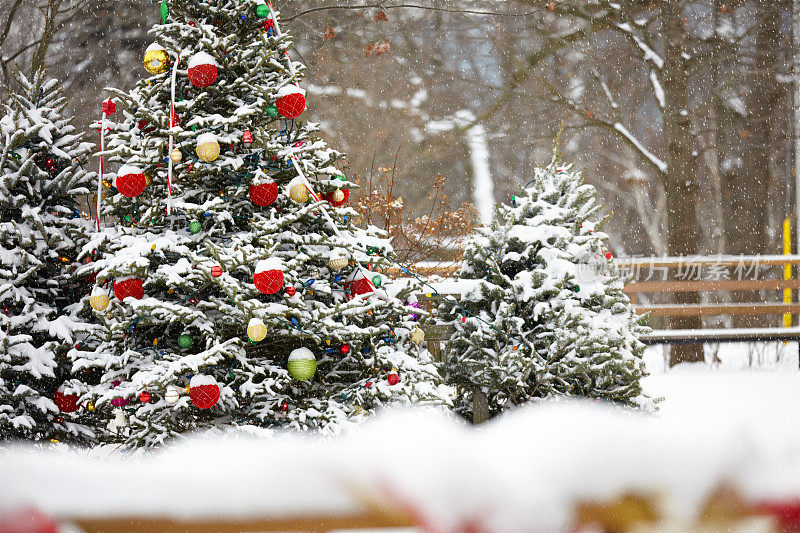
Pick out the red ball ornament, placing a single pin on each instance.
(329, 197)
(143, 126)
(202, 70)
(204, 391)
(216, 271)
(269, 276)
(608, 255)
(290, 291)
(66, 403)
(130, 181)
(130, 286)
(345, 349)
(357, 283)
(393, 378)
(291, 101)
(264, 194)
(284, 406)
(145, 397)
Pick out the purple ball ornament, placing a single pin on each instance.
(416, 305)
(119, 401)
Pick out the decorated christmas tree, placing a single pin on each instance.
(233, 284)
(41, 234)
(546, 315)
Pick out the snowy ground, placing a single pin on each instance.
(736, 424)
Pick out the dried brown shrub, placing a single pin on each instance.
(437, 236)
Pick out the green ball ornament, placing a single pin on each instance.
(302, 364)
(195, 226)
(185, 340)
(377, 280)
(272, 111)
(262, 11)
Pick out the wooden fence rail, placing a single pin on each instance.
(437, 335)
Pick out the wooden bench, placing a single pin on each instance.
(748, 278)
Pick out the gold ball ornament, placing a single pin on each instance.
(176, 155)
(417, 335)
(99, 299)
(337, 196)
(256, 330)
(299, 193)
(156, 59)
(337, 262)
(207, 147)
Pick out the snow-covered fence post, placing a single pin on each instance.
(480, 407)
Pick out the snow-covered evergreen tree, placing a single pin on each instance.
(41, 233)
(548, 316)
(247, 290)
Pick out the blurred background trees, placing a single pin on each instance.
(681, 111)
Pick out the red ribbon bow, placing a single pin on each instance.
(109, 107)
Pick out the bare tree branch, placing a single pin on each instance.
(381, 5)
(11, 14)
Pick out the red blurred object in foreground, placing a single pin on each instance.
(785, 513)
(26, 521)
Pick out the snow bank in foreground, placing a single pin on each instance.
(523, 472)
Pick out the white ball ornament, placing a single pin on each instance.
(172, 395)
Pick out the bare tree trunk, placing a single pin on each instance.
(763, 98)
(746, 183)
(680, 183)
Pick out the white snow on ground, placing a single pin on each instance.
(521, 472)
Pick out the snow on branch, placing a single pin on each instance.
(647, 154)
(649, 55)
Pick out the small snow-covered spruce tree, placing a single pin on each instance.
(246, 279)
(41, 233)
(550, 316)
